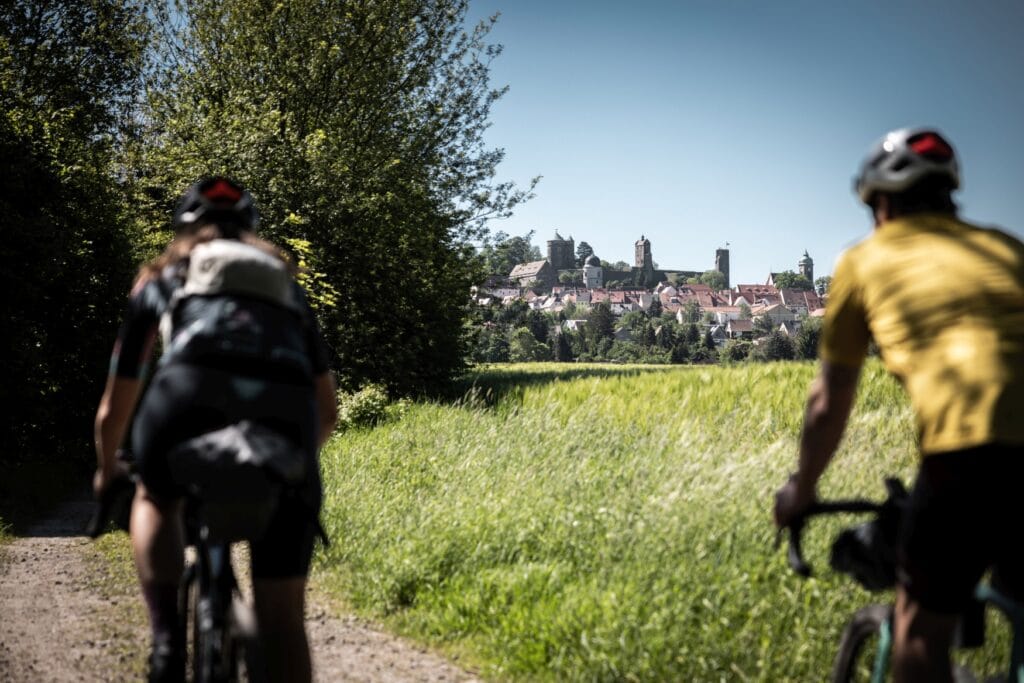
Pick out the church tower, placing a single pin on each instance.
(806, 266)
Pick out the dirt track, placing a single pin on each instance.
(67, 613)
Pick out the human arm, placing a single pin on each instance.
(325, 393)
(112, 419)
(828, 407)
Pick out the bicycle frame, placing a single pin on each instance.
(984, 592)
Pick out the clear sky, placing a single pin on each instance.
(706, 122)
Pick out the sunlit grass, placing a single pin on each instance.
(605, 523)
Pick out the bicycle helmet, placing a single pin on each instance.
(217, 200)
(902, 158)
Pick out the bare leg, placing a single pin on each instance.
(280, 612)
(922, 642)
(158, 547)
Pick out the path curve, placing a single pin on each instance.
(67, 614)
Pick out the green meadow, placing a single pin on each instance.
(605, 523)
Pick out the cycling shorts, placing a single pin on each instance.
(959, 523)
(184, 401)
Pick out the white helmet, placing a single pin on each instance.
(902, 158)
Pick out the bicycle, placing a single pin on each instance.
(867, 554)
(233, 477)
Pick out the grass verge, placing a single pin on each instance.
(604, 523)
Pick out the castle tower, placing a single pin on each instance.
(562, 252)
(722, 264)
(593, 273)
(806, 265)
(642, 250)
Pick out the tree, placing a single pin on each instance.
(561, 348)
(691, 311)
(524, 348)
(763, 326)
(822, 284)
(69, 71)
(714, 279)
(735, 350)
(806, 342)
(600, 325)
(566, 277)
(777, 346)
(621, 265)
(655, 310)
(583, 252)
(744, 311)
(502, 253)
(790, 280)
(358, 126)
(538, 324)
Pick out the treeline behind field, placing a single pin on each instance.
(357, 126)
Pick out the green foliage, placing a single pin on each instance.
(523, 347)
(600, 324)
(501, 253)
(822, 284)
(67, 75)
(735, 350)
(790, 280)
(583, 252)
(776, 346)
(713, 278)
(607, 523)
(806, 342)
(359, 128)
(319, 290)
(368, 407)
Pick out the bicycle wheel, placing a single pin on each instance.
(214, 652)
(865, 646)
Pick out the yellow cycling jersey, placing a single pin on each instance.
(944, 302)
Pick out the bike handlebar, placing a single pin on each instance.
(114, 504)
(794, 552)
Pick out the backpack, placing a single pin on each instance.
(234, 304)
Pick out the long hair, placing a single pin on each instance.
(181, 247)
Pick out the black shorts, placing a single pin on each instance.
(962, 520)
(184, 401)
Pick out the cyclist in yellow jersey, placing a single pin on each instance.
(944, 302)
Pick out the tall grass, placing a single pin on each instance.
(605, 524)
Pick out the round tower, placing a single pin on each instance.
(806, 266)
(593, 273)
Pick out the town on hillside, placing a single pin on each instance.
(570, 282)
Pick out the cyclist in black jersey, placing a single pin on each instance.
(268, 365)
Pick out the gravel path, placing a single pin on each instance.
(67, 613)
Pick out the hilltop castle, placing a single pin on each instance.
(562, 258)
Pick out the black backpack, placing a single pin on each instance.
(233, 303)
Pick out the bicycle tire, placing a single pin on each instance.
(865, 623)
(214, 653)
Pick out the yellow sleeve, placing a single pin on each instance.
(845, 334)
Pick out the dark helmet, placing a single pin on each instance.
(216, 200)
(902, 158)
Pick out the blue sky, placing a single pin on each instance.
(701, 123)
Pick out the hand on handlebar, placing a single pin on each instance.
(791, 500)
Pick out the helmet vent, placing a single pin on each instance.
(900, 165)
(931, 146)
